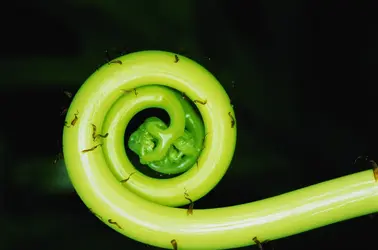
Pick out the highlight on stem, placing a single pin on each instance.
(192, 151)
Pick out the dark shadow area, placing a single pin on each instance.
(301, 75)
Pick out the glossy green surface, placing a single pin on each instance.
(143, 208)
(179, 155)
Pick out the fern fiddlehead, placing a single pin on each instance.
(143, 208)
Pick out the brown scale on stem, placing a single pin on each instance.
(91, 149)
(375, 169)
(232, 119)
(109, 60)
(73, 122)
(200, 102)
(98, 216)
(128, 178)
(260, 244)
(114, 223)
(372, 163)
(95, 136)
(129, 91)
(116, 61)
(174, 244)
(191, 205)
(176, 59)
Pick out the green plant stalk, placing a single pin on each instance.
(143, 208)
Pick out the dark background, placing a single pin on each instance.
(304, 76)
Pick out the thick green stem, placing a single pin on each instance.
(141, 207)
